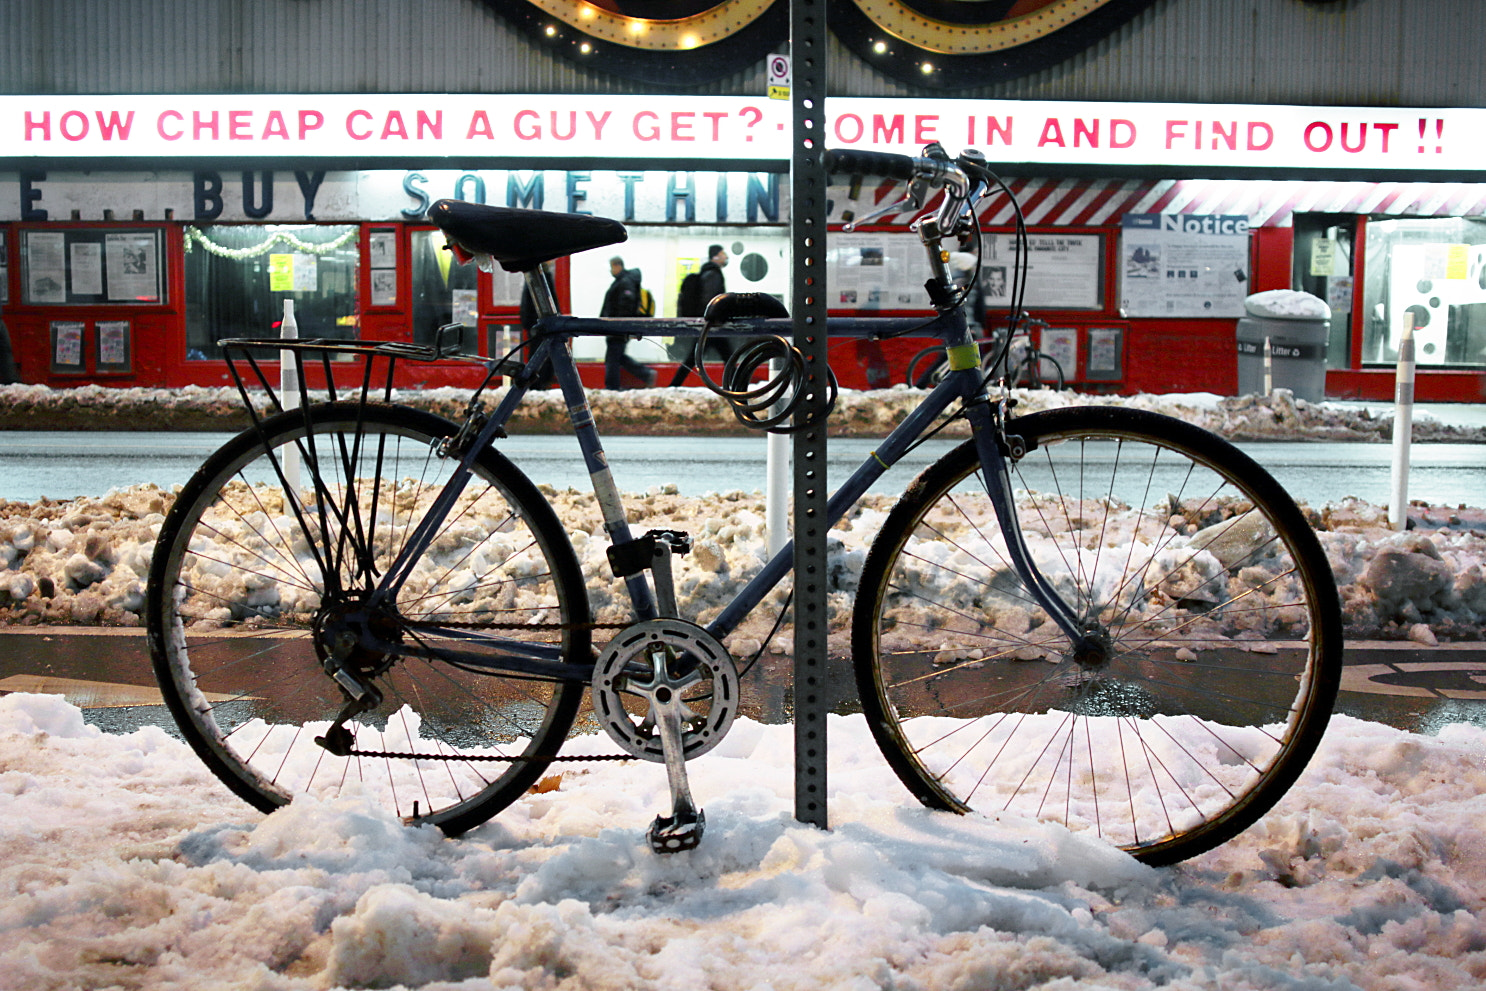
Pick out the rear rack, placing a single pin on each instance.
(238, 351)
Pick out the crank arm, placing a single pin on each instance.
(682, 829)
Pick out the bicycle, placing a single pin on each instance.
(1099, 616)
(1025, 365)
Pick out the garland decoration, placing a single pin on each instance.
(195, 236)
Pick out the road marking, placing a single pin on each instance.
(1361, 678)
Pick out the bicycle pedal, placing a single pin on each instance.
(674, 834)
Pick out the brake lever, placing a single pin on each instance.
(892, 207)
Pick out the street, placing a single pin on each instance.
(63, 465)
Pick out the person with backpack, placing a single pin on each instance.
(622, 300)
(697, 290)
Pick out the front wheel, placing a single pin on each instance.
(1212, 635)
(264, 569)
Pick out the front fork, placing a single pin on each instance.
(997, 449)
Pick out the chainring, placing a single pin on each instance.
(658, 655)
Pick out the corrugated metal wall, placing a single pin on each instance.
(1351, 52)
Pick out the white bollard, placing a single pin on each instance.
(1268, 369)
(1403, 430)
(289, 391)
(776, 483)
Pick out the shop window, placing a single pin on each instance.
(237, 278)
(1430, 273)
(1323, 268)
(444, 291)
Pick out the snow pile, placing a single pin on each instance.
(695, 411)
(125, 864)
(1287, 304)
(85, 561)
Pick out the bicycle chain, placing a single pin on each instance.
(517, 758)
(525, 626)
(509, 759)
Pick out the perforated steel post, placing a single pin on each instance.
(808, 227)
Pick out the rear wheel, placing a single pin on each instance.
(1212, 645)
(1037, 371)
(249, 591)
(927, 368)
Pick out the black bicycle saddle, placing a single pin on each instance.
(520, 240)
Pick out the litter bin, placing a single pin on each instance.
(1296, 324)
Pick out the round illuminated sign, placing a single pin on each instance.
(933, 43)
(674, 42)
(959, 43)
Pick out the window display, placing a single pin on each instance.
(238, 276)
(1431, 274)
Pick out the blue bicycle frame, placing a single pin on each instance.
(554, 332)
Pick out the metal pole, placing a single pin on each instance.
(1403, 429)
(808, 299)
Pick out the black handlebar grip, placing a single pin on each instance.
(846, 161)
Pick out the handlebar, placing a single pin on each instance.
(849, 161)
(963, 179)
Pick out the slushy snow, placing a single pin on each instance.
(126, 865)
(85, 561)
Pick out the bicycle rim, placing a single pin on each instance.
(1209, 592)
(244, 583)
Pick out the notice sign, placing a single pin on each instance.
(1183, 265)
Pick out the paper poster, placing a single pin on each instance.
(876, 272)
(1183, 265)
(381, 249)
(87, 268)
(1064, 271)
(1104, 362)
(113, 345)
(384, 287)
(1061, 345)
(306, 273)
(466, 307)
(1339, 293)
(131, 263)
(1323, 256)
(293, 273)
(280, 273)
(46, 267)
(67, 345)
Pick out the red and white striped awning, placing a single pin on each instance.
(1266, 202)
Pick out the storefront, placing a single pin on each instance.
(142, 230)
(140, 303)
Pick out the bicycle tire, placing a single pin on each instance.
(240, 582)
(1224, 634)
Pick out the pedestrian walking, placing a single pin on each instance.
(622, 300)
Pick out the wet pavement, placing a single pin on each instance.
(107, 673)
